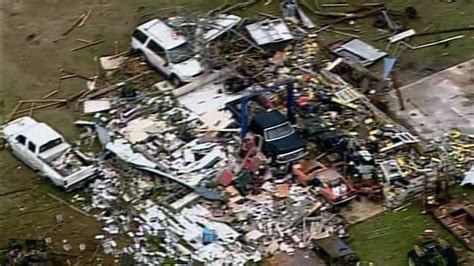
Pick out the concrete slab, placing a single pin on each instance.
(440, 102)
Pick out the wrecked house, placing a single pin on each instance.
(228, 164)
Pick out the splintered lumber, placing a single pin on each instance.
(86, 45)
(38, 107)
(77, 95)
(50, 94)
(77, 75)
(115, 86)
(76, 23)
(268, 15)
(84, 40)
(334, 5)
(344, 33)
(432, 43)
(85, 18)
(13, 112)
(468, 28)
(67, 76)
(32, 105)
(43, 100)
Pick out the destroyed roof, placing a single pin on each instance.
(269, 119)
(361, 48)
(221, 24)
(162, 33)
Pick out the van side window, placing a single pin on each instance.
(140, 36)
(156, 48)
(31, 147)
(21, 139)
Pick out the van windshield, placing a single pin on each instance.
(278, 132)
(51, 144)
(180, 53)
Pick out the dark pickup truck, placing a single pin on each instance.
(281, 142)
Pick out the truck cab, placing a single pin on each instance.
(281, 142)
(167, 51)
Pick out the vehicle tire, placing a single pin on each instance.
(175, 81)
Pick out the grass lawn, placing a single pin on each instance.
(386, 239)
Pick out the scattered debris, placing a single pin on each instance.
(87, 45)
(205, 167)
(447, 40)
(269, 31)
(359, 51)
(458, 218)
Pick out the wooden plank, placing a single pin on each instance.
(32, 105)
(77, 75)
(50, 94)
(87, 45)
(114, 86)
(43, 100)
(39, 107)
(83, 40)
(68, 76)
(85, 18)
(73, 26)
(13, 112)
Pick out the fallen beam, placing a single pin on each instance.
(87, 45)
(73, 26)
(432, 43)
(38, 107)
(77, 75)
(457, 29)
(43, 100)
(50, 94)
(13, 112)
(85, 18)
(103, 91)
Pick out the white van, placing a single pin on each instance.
(167, 51)
(170, 53)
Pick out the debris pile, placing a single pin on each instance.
(207, 168)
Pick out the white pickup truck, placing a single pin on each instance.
(44, 150)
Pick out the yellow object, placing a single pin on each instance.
(455, 134)
(343, 103)
(401, 161)
(374, 132)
